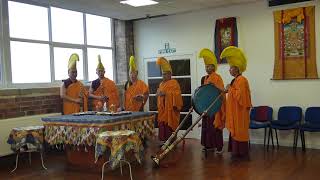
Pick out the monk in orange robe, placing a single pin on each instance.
(212, 127)
(136, 91)
(238, 103)
(72, 91)
(103, 91)
(169, 101)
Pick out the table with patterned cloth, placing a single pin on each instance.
(78, 134)
(82, 130)
(26, 138)
(119, 142)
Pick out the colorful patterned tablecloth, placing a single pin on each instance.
(119, 143)
(28, 138)
(82, 130)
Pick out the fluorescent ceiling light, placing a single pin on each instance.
(137, 3)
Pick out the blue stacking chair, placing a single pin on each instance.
(289, 118)
(260, 117)
(312, 123)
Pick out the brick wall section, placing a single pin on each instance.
(124, 48)
(26, 102)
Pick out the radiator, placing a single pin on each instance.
(6, 126)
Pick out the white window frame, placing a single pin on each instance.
(195, 133)
(6, 81)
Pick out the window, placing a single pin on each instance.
(67, 26)
(42, 38)
(30, 62)
(98, 30)
(28, 21)
(106, 59)
(61, 59)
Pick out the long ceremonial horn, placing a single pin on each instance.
(167, 147)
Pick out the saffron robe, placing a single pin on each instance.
(105, 87)
(220, 116)
(165, 104)
(131, 91)
(238, 107)
(75, 90)
(211, 131)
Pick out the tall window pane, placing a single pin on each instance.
(67, 26)
(30, 62)
(98, 30)
(28, 21)
(61, 59)
(106, 59)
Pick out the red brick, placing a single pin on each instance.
(33, 112)
(14, 114)
(24, 99)
(39, 97)
(29, 108)
(37, 103)
(25, 103)
(9, 100)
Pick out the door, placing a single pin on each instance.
(184, 71)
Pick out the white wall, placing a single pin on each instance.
(191, 32)
(6, 125)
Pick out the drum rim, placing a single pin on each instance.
(193, 105)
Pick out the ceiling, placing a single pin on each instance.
(114, 9)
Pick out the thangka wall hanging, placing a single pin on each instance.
(294, 37)
(225, 34)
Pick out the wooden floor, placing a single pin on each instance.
(190, 164)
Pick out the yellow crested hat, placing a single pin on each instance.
(235, 57)
(132, 64)
(100, 65)
(164, 64)
(72, 64)
(208, 57)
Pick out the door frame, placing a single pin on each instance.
(195, 132)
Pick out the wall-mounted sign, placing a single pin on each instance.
(167, 49)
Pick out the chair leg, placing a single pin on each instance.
(30, 158)
(42, 163)
(277, 138)
(102, 172)
(17, 160)
(269, 134)
(303, 140)
(264, 139)
(295, 139)
(129, 168)
(272, 138)
(121, 168)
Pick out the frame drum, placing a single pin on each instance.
(204, 96)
